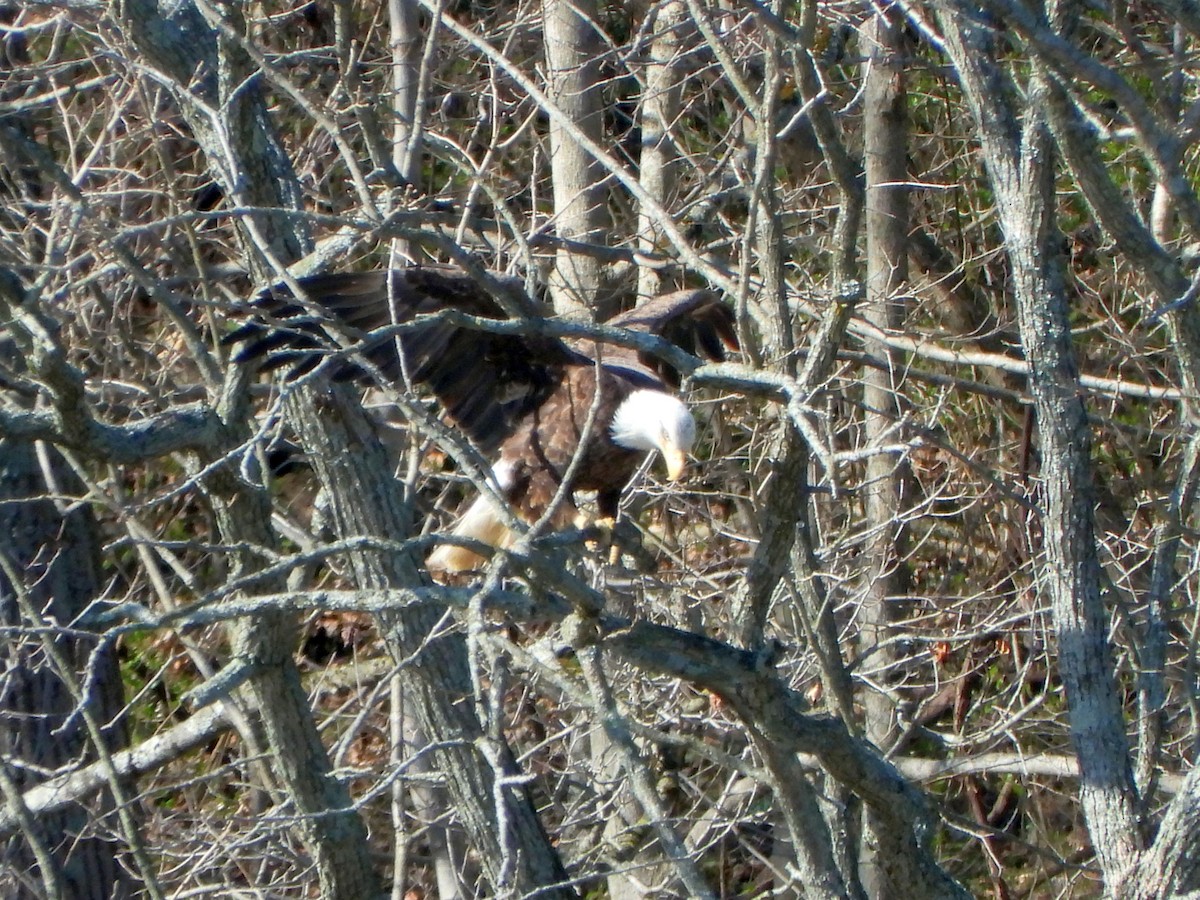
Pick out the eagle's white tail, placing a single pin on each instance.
(482, 522)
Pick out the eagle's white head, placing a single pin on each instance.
(653, 420)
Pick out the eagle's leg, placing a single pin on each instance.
(597, 530)
(603, 529)
(600, 534)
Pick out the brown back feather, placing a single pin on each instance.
(540, 451)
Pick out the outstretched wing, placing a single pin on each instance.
(695, 320)
(484, 381)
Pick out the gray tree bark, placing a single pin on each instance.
(1020, 164)
(1170, 865)
(659, 155)
(573, 52)
(1077, 141)
(52, 547)
(404, 21)
(209, 65)
(61, 697)
(478, 769)
(883, 577)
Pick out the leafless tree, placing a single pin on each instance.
(920, 622)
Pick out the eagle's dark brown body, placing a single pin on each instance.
(542, 448)
(528, 396)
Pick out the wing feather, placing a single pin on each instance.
(485, 382)
(695, 320)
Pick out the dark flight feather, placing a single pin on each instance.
(486, 382)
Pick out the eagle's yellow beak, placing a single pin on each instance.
(676, 461)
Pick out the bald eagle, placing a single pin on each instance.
(527, 398)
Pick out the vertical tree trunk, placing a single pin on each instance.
(573, 50)
(252, 168)
(1019, 161)
(405, 25)
(883, 578)
(501, 823)
(54, 548)
(659, 155)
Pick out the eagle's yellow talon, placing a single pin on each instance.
(599, 533)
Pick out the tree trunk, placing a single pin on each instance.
(249, 163)
(573, 52)
(1020, 164)
(365, 500)
(404, 21)
(52, 547)
(883, 577)
(659, 156)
